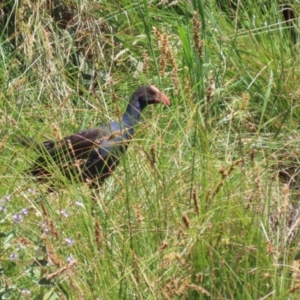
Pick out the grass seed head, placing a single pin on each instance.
(198, 42)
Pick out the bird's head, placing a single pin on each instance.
(143, 96)
(150, 95)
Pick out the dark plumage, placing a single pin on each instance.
(91, 155)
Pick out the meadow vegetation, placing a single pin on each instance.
(205, 203)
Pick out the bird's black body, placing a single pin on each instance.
(92, 155)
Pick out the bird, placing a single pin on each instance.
(92, 155)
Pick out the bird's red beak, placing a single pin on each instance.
(161, 97)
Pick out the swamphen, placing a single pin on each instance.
(92, 155)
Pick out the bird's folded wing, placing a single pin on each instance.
(95, 142)
(84, 141)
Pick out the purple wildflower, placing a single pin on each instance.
(69, 241)
(70, 259)
(25, 211)
(13, 257)
(25, 292)
(64, 213)
(79, 203)
(45, 228)
(17, 218)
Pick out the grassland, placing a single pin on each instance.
(204, 205)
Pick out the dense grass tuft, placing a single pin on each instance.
(204, 204)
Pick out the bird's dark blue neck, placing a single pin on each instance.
(132, 115)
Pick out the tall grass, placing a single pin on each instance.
(204, 204)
